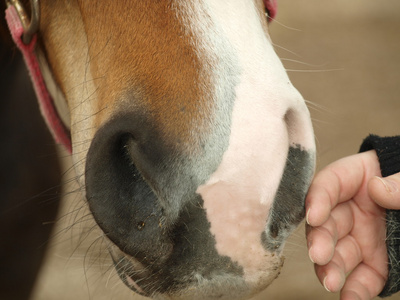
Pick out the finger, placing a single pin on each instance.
(343, 219)
(338, 182)
(331, 276)
(321, 241)
(385, 191)
(321, 197)
(347, 256)
(363, 283)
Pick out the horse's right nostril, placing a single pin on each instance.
(122, 202)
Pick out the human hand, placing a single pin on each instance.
(346, 228)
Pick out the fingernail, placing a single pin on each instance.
(309, 255)
(324, 282)
(390, 186)
(307, 214)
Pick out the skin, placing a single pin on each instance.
(346, 228)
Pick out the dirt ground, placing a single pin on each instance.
(344, 57)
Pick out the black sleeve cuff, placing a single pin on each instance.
(388, 151)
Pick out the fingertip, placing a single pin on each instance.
(318, 206)
(308, 216)
(325, 284)
(334, 281)
(310, 256)
(322, 249)
(385, 192)
(377, 190)
(317, 214)
(388, 185)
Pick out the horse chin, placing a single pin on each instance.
(219, 285)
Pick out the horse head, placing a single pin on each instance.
(193, 148)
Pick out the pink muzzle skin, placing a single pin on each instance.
(59, 131)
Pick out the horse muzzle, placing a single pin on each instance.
(178, 233)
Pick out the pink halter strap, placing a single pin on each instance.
(60, 132)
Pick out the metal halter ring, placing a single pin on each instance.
(31, 26)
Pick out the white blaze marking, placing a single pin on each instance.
(238, 196)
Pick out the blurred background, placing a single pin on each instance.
(344, 57)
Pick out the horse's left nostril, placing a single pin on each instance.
(122, 202)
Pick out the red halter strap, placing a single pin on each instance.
(60, 132)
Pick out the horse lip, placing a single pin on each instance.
(130, 282)
(125, 267)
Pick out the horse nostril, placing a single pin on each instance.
(288, 207)
(122, 202)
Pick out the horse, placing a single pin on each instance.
(193, 150)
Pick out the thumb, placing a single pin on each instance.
(385, 191)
